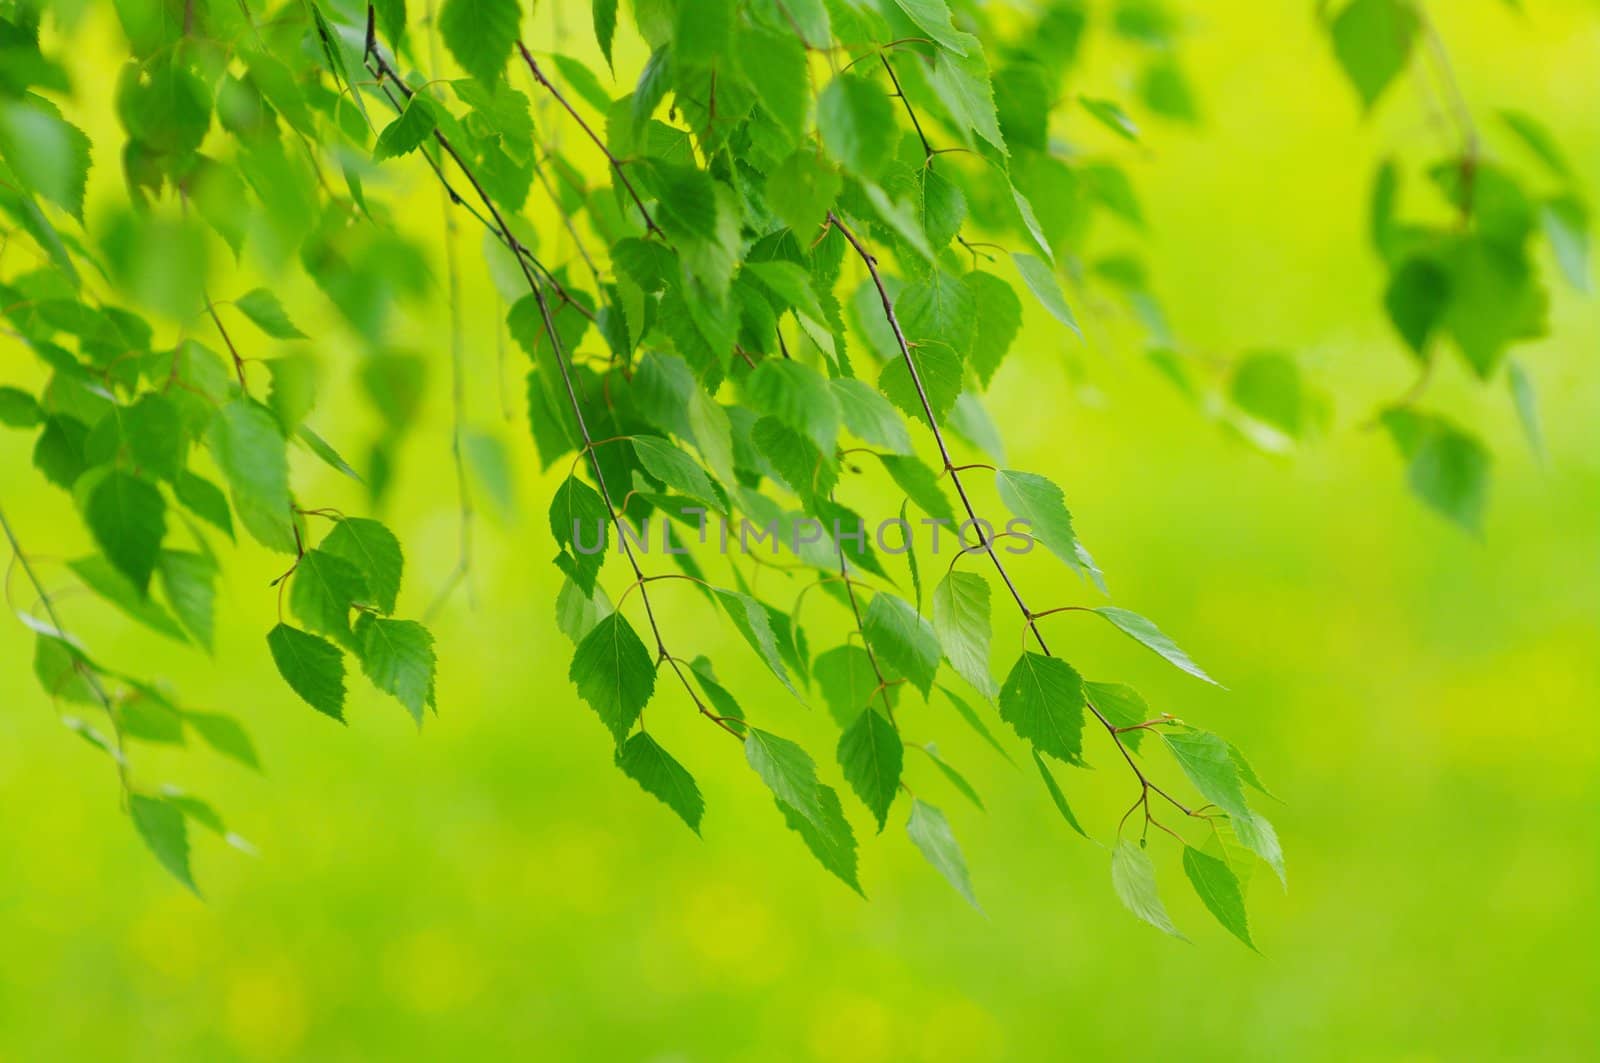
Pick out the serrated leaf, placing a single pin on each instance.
(374, 551)
(1151, 637)
(188, 580)
(250, 448)
(1042, 700)
(267, 313)
(754, 623)
(324, 587)
(1122, 706)
(848, 682)
(998, 320)
(100, 576)
(675, 469)
(397, 655)
(902, 640)
(871, 754)
(870, 416)
(789, 773)
(1219, 890)
(1036, 500)
(643, 760)
(614, 674)
(1041, 281)
(162, 829)
(605, 25)
(961, 622)
(931, 834)
(856, 121)
(831, 840)
(1206, 760)
(1134, 878)
(798, 397)
(1059, 798)
(127, 517)
(970, 715)
(313, 667)
(577, 613)
(480, 34)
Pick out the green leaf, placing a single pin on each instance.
(189, 581)
(324, 588)
(1448, 469)
(161, 827)
(250, 448)
(999, 319)
(931, 834)
(828, 837)
(798, 397)
(1122, 706)
(1372, 40)
(1416, 299)
(205, 500)
(407, 132)
(1056, 795)
(1039, 502)
(1218, 888)
(127, 517)
(848, 682)
(954, 777)
(397, 655)
(938, 312)
(921, 486)
(643, 760)
(392, 17)
(1566, 226)
(374, 551)
(1209, 764)
(1267, 386)
(938, 367)
(1538, 140)
(154, 436)
(480, 34)
(933, 18)
(1042, 700)
(225, 735)
(1111, 116)
(18, 409)
(1134, 878)
(614, 674)
(1527, 402)
(675, 469)
(1041, 281)
(871, 755)
(857, 125)
(755, 624)
(111, 584)
(802, 189)
(1148, 635)
(789, 773)
(313, 667)
(870, 416)
(48, 154)
(263, 308)
(605, 26)
(961, 623)
(974, 721)
(580, 522)
(902, 640)
(963, 85)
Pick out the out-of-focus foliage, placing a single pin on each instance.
(809, 235)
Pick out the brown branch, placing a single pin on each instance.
(952, 469)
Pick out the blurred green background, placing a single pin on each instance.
(1425, 704)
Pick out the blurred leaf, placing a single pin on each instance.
(161, 827)
(480, 34)
(1372, 40)
(263, 308)
(856, 121)
(126, 516)
(1134, 877)
(931, 834)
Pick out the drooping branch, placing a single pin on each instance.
(954, 472)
